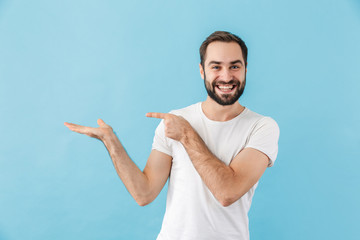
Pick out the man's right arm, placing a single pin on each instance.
(144, 186)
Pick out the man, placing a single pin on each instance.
(213, 152)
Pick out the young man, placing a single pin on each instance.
(216, 152)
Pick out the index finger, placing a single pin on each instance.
(156, 115)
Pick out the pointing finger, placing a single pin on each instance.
(156, 115)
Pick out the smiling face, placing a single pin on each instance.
(224, 72)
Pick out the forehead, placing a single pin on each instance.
(223, 52)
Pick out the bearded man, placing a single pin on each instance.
(213, 152)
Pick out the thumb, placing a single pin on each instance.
(101, 122)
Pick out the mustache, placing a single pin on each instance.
(231, 82)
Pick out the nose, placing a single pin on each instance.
(226, 75)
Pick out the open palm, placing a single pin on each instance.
(99, 132)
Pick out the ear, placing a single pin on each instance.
(201, 71)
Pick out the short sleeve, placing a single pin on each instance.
(161, 142)
(264, 137)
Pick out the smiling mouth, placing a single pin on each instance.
(225, 88)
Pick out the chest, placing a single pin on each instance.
(224, 141)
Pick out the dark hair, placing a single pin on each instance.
(222, 37)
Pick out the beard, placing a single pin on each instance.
(225, 99)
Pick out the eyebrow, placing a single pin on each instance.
(233, 62)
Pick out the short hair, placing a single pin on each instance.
(222, 36)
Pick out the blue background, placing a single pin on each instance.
(77, 61)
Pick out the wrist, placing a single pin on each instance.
(109, 137)
(188, 134)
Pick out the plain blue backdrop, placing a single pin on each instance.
(77, 61)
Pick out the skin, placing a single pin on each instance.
(224, 62)
(144, 186)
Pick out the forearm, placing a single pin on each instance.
(133, 178)
(227, 183)
(217, 176)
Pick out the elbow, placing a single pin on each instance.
(143, 201)
(225, 202)
(228, 199)
(143, 196)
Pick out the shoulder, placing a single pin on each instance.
(259, 119)
(264, 136)
(258, 123)
(263, 125)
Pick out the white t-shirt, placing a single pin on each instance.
(192, 212)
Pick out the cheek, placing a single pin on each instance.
(211, 78)
(208, 84)
(242, 74)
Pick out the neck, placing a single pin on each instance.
(217, 112)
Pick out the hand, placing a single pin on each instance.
(176, 127)
(100, 132)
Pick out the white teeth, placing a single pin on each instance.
(225, 87)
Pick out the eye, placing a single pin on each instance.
(215, 67)
(234, 67)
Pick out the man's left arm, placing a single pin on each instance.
(227, 183)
